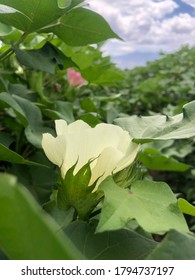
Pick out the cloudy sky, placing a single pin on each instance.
(147, 27)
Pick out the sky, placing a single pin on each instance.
(147, 28)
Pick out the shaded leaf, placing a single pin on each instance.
(6, 139)
(159, 127)
(175, 246)
(30, 110)
(120, 244)
(154, 160)
(22, 217)
(7, 99)
(152, 204)
(8, 155)
(91, 119)
(45, 59)
(65, 109)
(39, 180)
(5, 29)
(29, 115)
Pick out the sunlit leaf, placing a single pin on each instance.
(7, 9)
(64, 3)
(159, 127)
(186, 207)
(32, 15)
(152, 204)
(81, 27)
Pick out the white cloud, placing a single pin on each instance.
(189, 2)
(146, 26)
(127, 16)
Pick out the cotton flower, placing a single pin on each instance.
(108, 146)
(74, 78)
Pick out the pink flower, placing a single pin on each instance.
(74, 78)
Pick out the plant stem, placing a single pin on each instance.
(93, 214)
(10, 51)
(75, 215)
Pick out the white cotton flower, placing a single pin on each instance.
(108, 146)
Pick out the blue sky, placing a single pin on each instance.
(147, 27)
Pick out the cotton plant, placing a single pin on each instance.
(86, 156)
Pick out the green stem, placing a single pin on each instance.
(75, 215)
(10, 51)
(6, 54)
(93, 214)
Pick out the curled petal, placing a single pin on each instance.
(54, 148)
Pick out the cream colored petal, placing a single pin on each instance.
(128, 158)
(105, 164)
(112, 136)
(61, 127)
(87, 144)
(54, 148)
(77, 126)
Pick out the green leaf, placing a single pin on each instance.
(65, 109)
(6, 98)
(186, 207)
(154, 160)
(6, 139)
(152, 204)
(35, 128)
(32, 15)
(39, 179)
(8, 155)
(80, 27)
(29, 115)
(110, 78)
(5, 29)
(114, 245)
(26, 232)
(88, 105)
(64, 3)
(159, 127)
(91, 119)
(31, 111)
(45, 59)
(175, 246)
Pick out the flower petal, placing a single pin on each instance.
(77, 126)
(109, 146)
(61, 127)
(54, 148)
(129, 157)
(105, 164)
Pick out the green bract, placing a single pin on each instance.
(108, 147)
